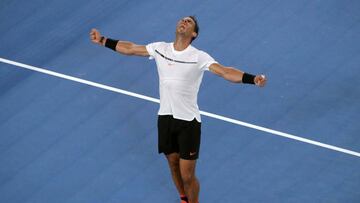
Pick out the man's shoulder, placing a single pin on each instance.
(160, 43)
(200, 52)
(196, 50)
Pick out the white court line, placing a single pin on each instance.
(223, 118)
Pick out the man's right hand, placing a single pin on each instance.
(123, 47)
(95, 36)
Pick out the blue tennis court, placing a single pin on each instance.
(78, 121)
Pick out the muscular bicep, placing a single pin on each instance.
(129, 48)
(217, 69)
(228, 73)
(140, 50)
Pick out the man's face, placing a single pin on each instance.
(186, 26)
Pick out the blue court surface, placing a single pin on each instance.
(63, 139)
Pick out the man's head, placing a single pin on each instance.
(188, 26)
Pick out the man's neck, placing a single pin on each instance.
(181, 43)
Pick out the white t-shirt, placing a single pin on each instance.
(180, 75)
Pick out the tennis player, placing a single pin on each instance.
(180, 67)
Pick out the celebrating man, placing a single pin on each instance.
(180, 67)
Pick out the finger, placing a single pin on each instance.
(262, 78)
(263, 83)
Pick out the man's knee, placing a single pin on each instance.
(187, 168)
(187, 177)
(174, 166)
(174, 161)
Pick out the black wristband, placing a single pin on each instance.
(111, 44)
(102, 40)
(248, 78)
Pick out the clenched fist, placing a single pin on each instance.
(260, 80)
(95, 36)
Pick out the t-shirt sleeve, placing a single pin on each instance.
(151, 49)
(205, 60)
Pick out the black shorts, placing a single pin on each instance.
(179, 136)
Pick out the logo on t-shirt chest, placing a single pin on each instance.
(173, 61)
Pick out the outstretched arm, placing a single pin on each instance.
(237, 76)
(123, 47)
